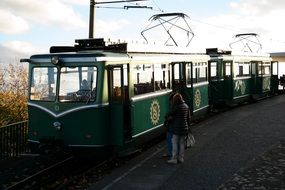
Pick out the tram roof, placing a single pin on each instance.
(115, 56)
(100, 44)
(278, 56)
(110, 51)
(237, 55)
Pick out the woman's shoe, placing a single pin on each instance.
(181, 160)
(172, 161)
(166, 155)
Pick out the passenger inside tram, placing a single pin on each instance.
(84, 85)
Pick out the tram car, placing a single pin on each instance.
(243, 77)
(109, 97)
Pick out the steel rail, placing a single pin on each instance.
(22, 183)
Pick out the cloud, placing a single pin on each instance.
(105, 28)
(249, 16)
(258, 7)
(77, 2)
(23, 48)
(13, 51)
(9, 56)
(51, 13)
(11, 24)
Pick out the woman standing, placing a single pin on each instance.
(168, 125)
(180, 123)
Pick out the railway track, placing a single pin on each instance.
(68, 172)
(35, 181)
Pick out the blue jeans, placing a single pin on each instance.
(178, 146)
(169, 143)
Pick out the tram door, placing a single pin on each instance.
(255, 89)
(118, 88)
(182, 81)
(177, 77)
(274, 76)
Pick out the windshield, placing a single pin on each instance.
(77, 84)
(43, 84)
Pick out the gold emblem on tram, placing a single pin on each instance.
(240, 86)
(197, 98)
(266, 84)
(154, 112)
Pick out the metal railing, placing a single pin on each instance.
(13, 140)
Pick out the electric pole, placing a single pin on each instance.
(92, 12)
(91, 19)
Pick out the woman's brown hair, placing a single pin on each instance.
(177, 99)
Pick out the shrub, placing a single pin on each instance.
(13, 94)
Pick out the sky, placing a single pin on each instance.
(31, 26)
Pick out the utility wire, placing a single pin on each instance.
(217, 26)
(123, 1)
(133, 5)
(157, 6)
(237, 31)
(105, 7)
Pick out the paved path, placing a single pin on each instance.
(233, 150)
(266, 172)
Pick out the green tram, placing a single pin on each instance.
(109, 97)
(236, 78)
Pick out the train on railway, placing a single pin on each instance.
(103, 96)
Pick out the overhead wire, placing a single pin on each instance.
(157, 6)
(136, 2)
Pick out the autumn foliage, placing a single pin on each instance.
(13, 94)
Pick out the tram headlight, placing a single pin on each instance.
(57, 126)
(88, 136)
(55, 60)
(35, 133)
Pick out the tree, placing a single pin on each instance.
(13, 94)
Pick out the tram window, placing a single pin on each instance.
(267, 68)
(275, 68)
(264, 69)
(188, 74)
(160, 77)
(214, 69)
(200, 72)
(227, 70)
(125, 68)
(260, 69)
(150, 78)
(78, 84)
(237, 71)
(203, 74)
(116, 84)
(242, 69)
(176, 72)
(195, 73)
(253, 68)
(246, 69)
(43, 84)
(143, 79)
